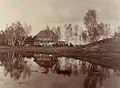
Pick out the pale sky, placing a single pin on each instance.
(41, 12)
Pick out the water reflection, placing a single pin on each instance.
(16, 65)
(45, 61)
(95, 76)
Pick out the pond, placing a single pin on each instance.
(35, 70)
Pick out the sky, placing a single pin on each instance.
(38, 13)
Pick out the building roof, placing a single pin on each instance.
(46, 34)
(29, 38)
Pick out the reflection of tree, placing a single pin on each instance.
(66, 71)
(95, 76)
(75, 71)
(84, 67)
(15, 65)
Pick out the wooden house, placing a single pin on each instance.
(46, 38)
(29, 41)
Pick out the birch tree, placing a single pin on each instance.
(16, 34)
(10, 36)
(68, 32)
(21, 34)
(58, 32)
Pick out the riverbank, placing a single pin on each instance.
(104, 48)
(102, 52)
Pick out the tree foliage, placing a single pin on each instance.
(14, 35)
(84, 36)
(68, 32)
(94, 28)
(57, 31)
(75, 34)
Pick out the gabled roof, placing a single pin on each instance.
(29, 38)
(46, 34)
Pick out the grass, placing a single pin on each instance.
(104, 52)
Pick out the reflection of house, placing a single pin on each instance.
(46, 61)
(45, 37)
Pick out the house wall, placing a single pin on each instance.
(45, 41)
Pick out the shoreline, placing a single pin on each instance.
(104, 53)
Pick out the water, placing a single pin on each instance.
(34, 70)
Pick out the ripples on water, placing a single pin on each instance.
(34, 70)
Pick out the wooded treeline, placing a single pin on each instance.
(16, 33)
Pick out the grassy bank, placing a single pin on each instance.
(105, 53)
(102, 49)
